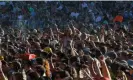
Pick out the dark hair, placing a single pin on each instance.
(16, 66)
(103, 49)
(39, 61)
(117, 65)
(33, 75)
(27, 63)
(97, 52)
(73, 59)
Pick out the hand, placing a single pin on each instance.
(56, 28)
(71, 43)
(55, 25)
(51, 29)
(102, 58)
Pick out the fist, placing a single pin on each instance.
(102, 58)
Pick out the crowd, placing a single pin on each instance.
(79, 41)
(42, 13)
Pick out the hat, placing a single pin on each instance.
(86, 50)
(111, 54)
(1, 58)
(130, 63)
(48, 50)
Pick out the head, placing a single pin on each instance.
(111, 55)
(103, 49)
(16, 66)
(27, 65)
(124, 55)
(39, 61)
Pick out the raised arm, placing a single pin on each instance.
(2, 75)
(51, 33)
(57, 31)
(105, 70)
(72, 49)
(97, 68)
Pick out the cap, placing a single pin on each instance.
(1, 58)
(48, 50)
(86, 50)
(130, 63)
(111, 54)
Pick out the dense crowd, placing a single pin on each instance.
(43, 13)
(95, 42)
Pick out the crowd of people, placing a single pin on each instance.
(42, 13)
(66, 40)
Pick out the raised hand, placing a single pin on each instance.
(71, 43)
(102, 58)
(56, 27)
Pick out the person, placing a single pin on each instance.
(82, 50)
